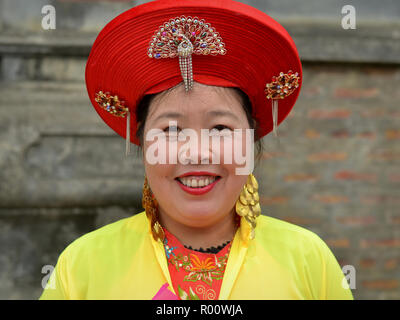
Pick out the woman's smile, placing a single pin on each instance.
(197, 183)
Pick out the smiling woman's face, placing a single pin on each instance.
(181, 189)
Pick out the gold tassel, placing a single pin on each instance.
(185, 50)
(128, 134)
(275, 116)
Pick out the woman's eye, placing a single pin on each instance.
(171, 129)
(220, 127)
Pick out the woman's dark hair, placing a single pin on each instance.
(144, 106)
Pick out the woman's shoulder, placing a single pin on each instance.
(304, 255)
(278, 232)
(133, 227)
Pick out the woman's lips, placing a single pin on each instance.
(198, 173)
(190, 181)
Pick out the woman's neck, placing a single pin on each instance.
(201, 237)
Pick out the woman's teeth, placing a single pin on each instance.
(197, 182)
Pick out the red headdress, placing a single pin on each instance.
(152, 47)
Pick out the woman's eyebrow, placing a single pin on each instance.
(169, 114)
(216, 113)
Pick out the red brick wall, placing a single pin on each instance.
(336, 170)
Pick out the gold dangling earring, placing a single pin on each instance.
(150, 205)
(247, 205)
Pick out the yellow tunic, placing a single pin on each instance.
(123, 261)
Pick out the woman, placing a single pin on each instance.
(202, 235)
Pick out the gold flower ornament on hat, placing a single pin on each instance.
(110, 103)
(279, 88)
(117, 108)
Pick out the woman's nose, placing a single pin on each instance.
(195, 150)
(194, 155)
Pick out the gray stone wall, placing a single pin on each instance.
(335, 170)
